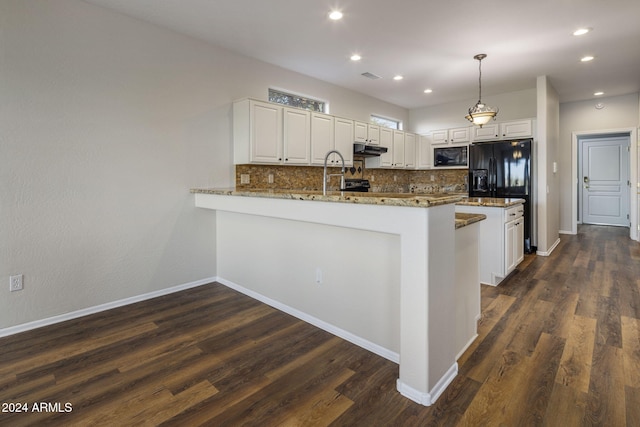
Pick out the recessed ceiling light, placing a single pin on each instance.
(356, 57)
(335, 15)
(398, 77)
(586, 58)
(581, 31)
(599, 93)
(428, 90)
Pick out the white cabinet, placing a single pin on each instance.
(331, 133)
(257, 132)
(450, 136)
(397, 154)
(365, 133)
(270, 134)
(385, 160)
(514, 238)
(296, 135)
(488, 132)
(401, 150)
(322, 137)
(424, 152)
(504, 130)
(501, 240)
(440, 137)
(343, 140)
(516, 129)
(410, 150)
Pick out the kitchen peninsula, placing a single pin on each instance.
(375, 269)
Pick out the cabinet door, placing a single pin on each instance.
(386, 140)
(266, 132)
(373, 134)
(398, 149)
(519, 242)
(439, 137)
(321, 137)
(509, 246)
(360, 132)
(343, 141)
(296, 136)
(459, 135)
(516, 129)
(424, 152)
(410, 150)
(488, 132)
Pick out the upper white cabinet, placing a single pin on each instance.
(398, 149)
(322, 137)
(257, 132)
(504, 130)
(424, 152)
(343, 140)
(410, 141)
(450, 136)
(270, 134)
(516, 129)
(296, 135)
(365, 133)
(331, 133)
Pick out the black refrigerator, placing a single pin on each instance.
(504, 169)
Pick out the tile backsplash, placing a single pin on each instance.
(382, 180)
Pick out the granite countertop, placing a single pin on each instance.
(387, 199)
(493, 202)
(464, 219)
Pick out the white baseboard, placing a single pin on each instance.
(346, 335)
(547, 253)
(102, 307)
(466, 346)
(566, 232)
(428, 398)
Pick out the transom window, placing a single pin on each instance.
(386, 122)
(297, 101)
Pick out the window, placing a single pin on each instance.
(297, 101)
(388, 123)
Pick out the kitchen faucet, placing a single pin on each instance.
(325, 177)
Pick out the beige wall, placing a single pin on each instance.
(105, 124)
(620, 112)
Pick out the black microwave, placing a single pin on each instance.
(450, 156)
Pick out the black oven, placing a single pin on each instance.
(450, 156)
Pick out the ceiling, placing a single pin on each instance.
(430, 43)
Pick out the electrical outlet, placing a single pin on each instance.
(15, 283)
(270, 178)
(244, 178)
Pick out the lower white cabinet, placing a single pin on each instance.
(501, 240)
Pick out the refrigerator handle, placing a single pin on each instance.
(491, 176)
(494, 173)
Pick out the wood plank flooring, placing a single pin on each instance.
(559, 344)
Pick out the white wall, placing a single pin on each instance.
(360, 271)
(619, 112)
(513, 106)
(105, 124)
(548, 191)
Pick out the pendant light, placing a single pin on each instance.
(481, 114)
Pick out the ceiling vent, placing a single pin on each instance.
(371, 76)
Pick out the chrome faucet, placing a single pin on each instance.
(325, 177)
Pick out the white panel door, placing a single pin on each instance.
(605, 181)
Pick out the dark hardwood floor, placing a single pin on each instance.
(558, 345)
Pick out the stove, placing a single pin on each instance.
(359, 185)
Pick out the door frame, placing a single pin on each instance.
(633, 174)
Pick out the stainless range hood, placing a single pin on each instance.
(368, 150)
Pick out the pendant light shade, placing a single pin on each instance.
(481, 114)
